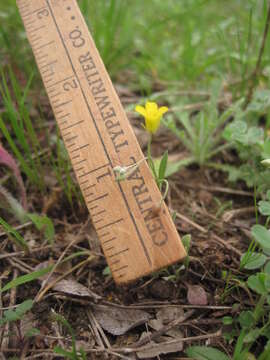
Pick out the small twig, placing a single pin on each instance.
(22, 253)
(257, 70)
(38, 296)
(190, 222)
(193, 338)
(219, 189)
(160, 305)
(54, 282)
(228, 215)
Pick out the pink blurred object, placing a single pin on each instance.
(7, 160)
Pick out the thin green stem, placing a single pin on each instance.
(150, 159)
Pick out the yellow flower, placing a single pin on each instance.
(152, 115)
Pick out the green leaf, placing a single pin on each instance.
(227, 320)
(255, 135)
(106, 271)
(26, 278)
(252, 335)
(43, 223)
(264, 207)
(267, 268)
(266, 149)
(259, 283)
(24, 307)
(261, 235)
(14, 234)
(186, 241)
(236, 131)
(246, 319)
(163, 166)
(11, 315)
(254, 260)
(206, 353)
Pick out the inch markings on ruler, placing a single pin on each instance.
(136, 240)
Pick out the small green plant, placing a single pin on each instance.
(201, 133)
(74, 354)
(17, 129)
(253, 146)
(15, 317)
(175, 272)
(152, 115)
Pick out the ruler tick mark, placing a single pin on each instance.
(88, 187)
(36, 39)
(121, 268)
(43, 45)
(27, 23)
(70, 139)
(84, 182)
(110, 248)
(58, 112)
(115, 262)
(98, 198)
(75, 157)
(119, 253)
(99, 213)
(46, 71)
(88, 195)
(63, 116)
(37, 29)
(96, 169)
(102, 235)
(48, 64)
(39, 57)
(94, 207)
(63, 104)
(77, 123)
(55, 95)
(109, 240)
(60, 81)
(98, 221)
(110, 224)
(79, 162)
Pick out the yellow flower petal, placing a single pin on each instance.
(152, 115)
(151, 107)
(152, 125)
(141, 110)
(162, 110)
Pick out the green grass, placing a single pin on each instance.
(188, 42)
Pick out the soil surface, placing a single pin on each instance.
(156, 317)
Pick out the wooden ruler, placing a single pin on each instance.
(136, 240)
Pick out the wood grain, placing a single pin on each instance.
(97, 134)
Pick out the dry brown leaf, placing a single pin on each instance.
(118, 321)
(72, 287)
